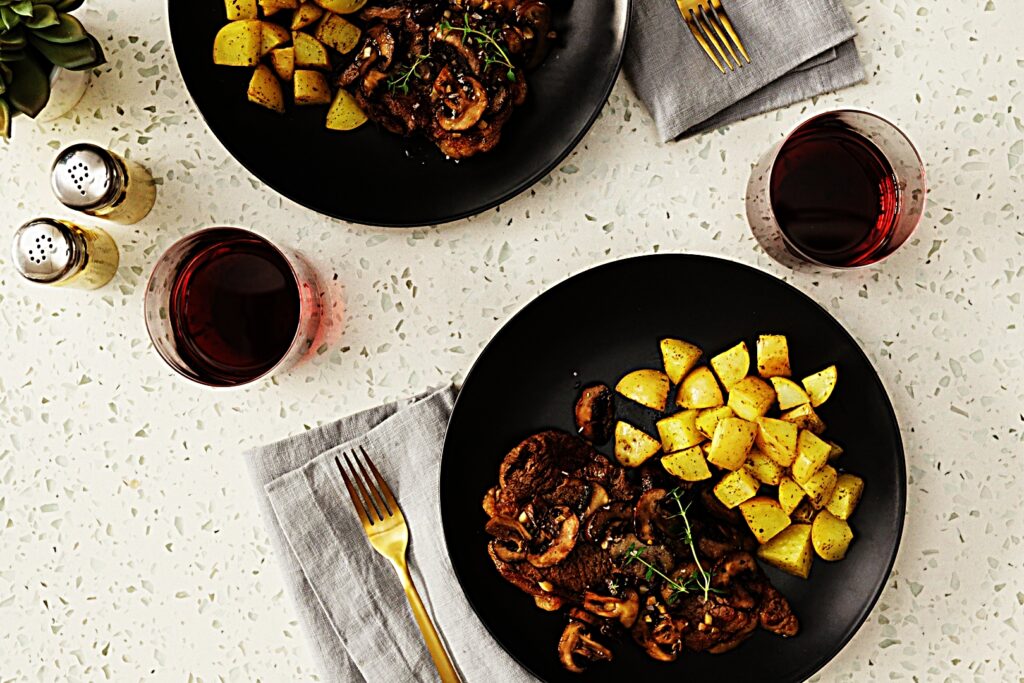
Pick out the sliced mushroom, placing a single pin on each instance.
(594, 413)
(549, 603)
(537, 15)
(608, 523)
(568, 527)
(576, 641)
(371, 80)
(646, 514)
(385, 43)
(642, 634)
(464, 97)
(512, 537)
(624, 609)
(454, 38)
(490, 501)
(598, 498)
(522, 575)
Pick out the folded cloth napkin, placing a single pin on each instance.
(348, 597)
(798, 49)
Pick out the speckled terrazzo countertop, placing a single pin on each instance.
(130, 547)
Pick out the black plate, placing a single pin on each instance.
(374, 177)
(607, 321)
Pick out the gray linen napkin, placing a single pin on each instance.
(798, 49)
(353, 609)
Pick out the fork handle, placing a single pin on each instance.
(437, 652)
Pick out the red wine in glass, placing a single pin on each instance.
(225, 307)
(845, 189)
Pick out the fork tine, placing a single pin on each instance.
(723, 18)
(711, 38)
(700, 40)
(352, 494)
(371, 510)
(385, 511)
(710, 21)
(381, 483)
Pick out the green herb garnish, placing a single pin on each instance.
(400, 81)
(700, 579)
(494, 53)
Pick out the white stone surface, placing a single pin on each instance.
(130, 548)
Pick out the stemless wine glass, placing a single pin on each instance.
(845, 189)
(225, 307)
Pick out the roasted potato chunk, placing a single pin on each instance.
(790, 550)
(732, 365)
(788, 393)
(773, 356)
(306, 14)
(272, 36)
(283, 61)
(700, 390)
(811, 456)
(804, 417)
(345, 113)
(241, 9)
(778, 439)
(679, 431)
(735, 488)
(265, 89)
(309, 52)
(764, 516)
(846, 496)
(709, 418)
(830, 536)
(341, 6)
(820, 385)
(238, 43)
(679, 358)
(688, 465)
(820, 487)
(335, 32)
(790, 495)
(751, 398)
(647, 387)
(731, 443)
(311, 87)
(764, 468)
(633, 447)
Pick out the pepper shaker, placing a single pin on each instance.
(63, 254)
(95, 181)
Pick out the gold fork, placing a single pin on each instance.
(707, 19)
(385, 526)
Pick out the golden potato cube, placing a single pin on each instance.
(700, 390)
(736, 487)
(764, 469)
(835, 450)
(709, 418)
(788, 393)
(345, 113)
(811, 455)
(844, 500)
(790, 550)
(272, 7)
(265, 89)
(309, 52)
(764, 516)
(731, 443)
(341, 6)
(790, 495)
(633, 447)
(688, 465)
(283, 61)
(238, 43)
(679, 357)
(751, 398)
(272, 36)
(804, 417)
(306, 14)
(820, 487)
(820, 385)
(241, 9)
(646, 387)
(679, 431)
(778, 439)
(333, 31)
(831, 536)
(731, 366)
(773, 356)
(311, 87)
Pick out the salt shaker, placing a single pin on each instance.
(95, 181)
(63, 254)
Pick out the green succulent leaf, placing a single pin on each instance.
(5, 119)
(15, 55)
(43, 16)
(68, 5)
(3, 87)
(66, 30)
(6, 75)
(13, 40)
(8, 19)
(84, 54)
(24, 8)
(29, 90)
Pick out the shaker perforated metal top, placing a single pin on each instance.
(46, 251)
(86, 177)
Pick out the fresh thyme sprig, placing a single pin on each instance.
(400, 82)
(633, 555)
(700, 578)
(494, 53)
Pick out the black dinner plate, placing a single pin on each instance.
(374, 177)
(604, 322)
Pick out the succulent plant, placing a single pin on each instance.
(34, 36)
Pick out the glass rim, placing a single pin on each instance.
(296, 335)
(806, 122)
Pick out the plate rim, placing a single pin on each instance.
(513, 192)
(901, 459)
